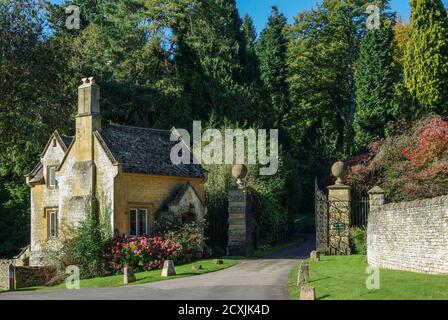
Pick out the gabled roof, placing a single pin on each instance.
(144, 150)
(63, 140)
(36, 176)
(176, 196)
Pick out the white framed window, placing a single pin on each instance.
(138, 219)
(52, 223)
(51, 177)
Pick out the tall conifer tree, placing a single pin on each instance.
(374, 81)
(272, 50)
(426, 57)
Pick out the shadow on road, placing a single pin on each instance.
(300, 250)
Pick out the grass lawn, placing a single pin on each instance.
(184, 270)
(343, 278)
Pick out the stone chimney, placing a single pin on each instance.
(88, 119)
(88, 97)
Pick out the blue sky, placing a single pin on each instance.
(260, 9)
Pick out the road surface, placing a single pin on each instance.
(257, 279)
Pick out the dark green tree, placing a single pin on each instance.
(321, 60)
(426, 57)
(374, 80)
(322, 53)
(209, 48)
(31, 105)
(251, 63)
(272, 49)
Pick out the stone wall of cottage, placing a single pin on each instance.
(105, 177)
(42, 197)
(411, 236)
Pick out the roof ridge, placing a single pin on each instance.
(132, 127)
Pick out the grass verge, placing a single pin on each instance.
(185, 270)
(344, 278)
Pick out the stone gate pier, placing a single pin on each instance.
(240, 221)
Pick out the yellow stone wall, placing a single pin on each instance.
(84, 144)
(38, 221)
(44, 197)
(145, 191)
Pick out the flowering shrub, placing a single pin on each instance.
(191, 239)
(141, 253)
(412, 164)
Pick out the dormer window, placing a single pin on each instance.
(51, 177)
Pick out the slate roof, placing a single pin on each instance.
(144, 150)
(37, 175)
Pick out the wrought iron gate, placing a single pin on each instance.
(321, 212)
(359, 210)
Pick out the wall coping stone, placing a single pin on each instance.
(415, 204)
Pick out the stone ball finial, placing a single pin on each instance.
(239, 172)
(339, 171)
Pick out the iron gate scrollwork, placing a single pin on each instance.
(339, 227)
(321, 212)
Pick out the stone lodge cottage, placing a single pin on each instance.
(128, 168)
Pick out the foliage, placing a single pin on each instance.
(190, 238)
(172, 241)
(426, 57)
(322, 53)
(271, 52)
(83, 245)
(359, 238)
(141, 253)
(269, 196)
(374, 78)
(30, 109)
(219, 181)
(412, 164)
(323, 49)
(251, 63)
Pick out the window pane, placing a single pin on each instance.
(133, 220)
(52, 224)
(52, 176)
(143, 223)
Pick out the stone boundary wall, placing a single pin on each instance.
(410, 236)
(33, 276)
(25, 276)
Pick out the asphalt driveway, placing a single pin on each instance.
(260, 279)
